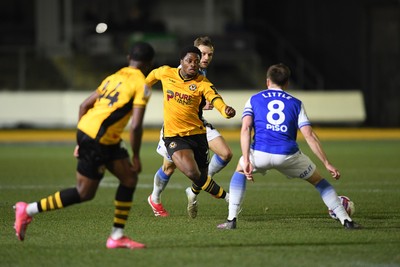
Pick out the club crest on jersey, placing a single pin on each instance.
(172, 145)
(192, 87)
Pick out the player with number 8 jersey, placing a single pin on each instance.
(276, 134)
(274, 117)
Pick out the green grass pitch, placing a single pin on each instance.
(283, 222)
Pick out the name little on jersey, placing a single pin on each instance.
(276, 94)
(275, 116)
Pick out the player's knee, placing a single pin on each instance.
(86, 188)
(315, 178)
(130, 183)
(168, 169)
(201, 180)
(226, 155)
(86, 195)
(194, 175)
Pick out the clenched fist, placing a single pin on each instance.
(230, 112)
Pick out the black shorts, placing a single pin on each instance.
(95, 157)
(198, 143)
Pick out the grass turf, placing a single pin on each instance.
(283, 223)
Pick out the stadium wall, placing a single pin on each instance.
(60, 109)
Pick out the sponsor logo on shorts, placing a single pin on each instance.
(306, 172)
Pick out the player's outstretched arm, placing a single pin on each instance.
(230, 112)
(316, 147)
(226, 111)
(245, 141)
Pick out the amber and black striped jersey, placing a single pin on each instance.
(184, 100)
(118, 94)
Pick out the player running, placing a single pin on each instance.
(222, 152)
(102, 119)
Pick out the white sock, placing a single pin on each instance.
(192, 196)
(341, 213)
(32, 209)
(117, 233)
(237, 189)
(331, 200)
(227, 197)
(216, 164)
(160, 182)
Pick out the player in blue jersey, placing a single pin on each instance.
(275, 116)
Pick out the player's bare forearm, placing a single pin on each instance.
(316, 147)
(136, 143)
(245, 141)
(136, 133)
(208, 106)
(87, 104)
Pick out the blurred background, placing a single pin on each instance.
(342, 45)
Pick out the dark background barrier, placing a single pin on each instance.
(329, 45)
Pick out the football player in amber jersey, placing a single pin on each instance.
(222, 152)
(102, 118)
(184, 132)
